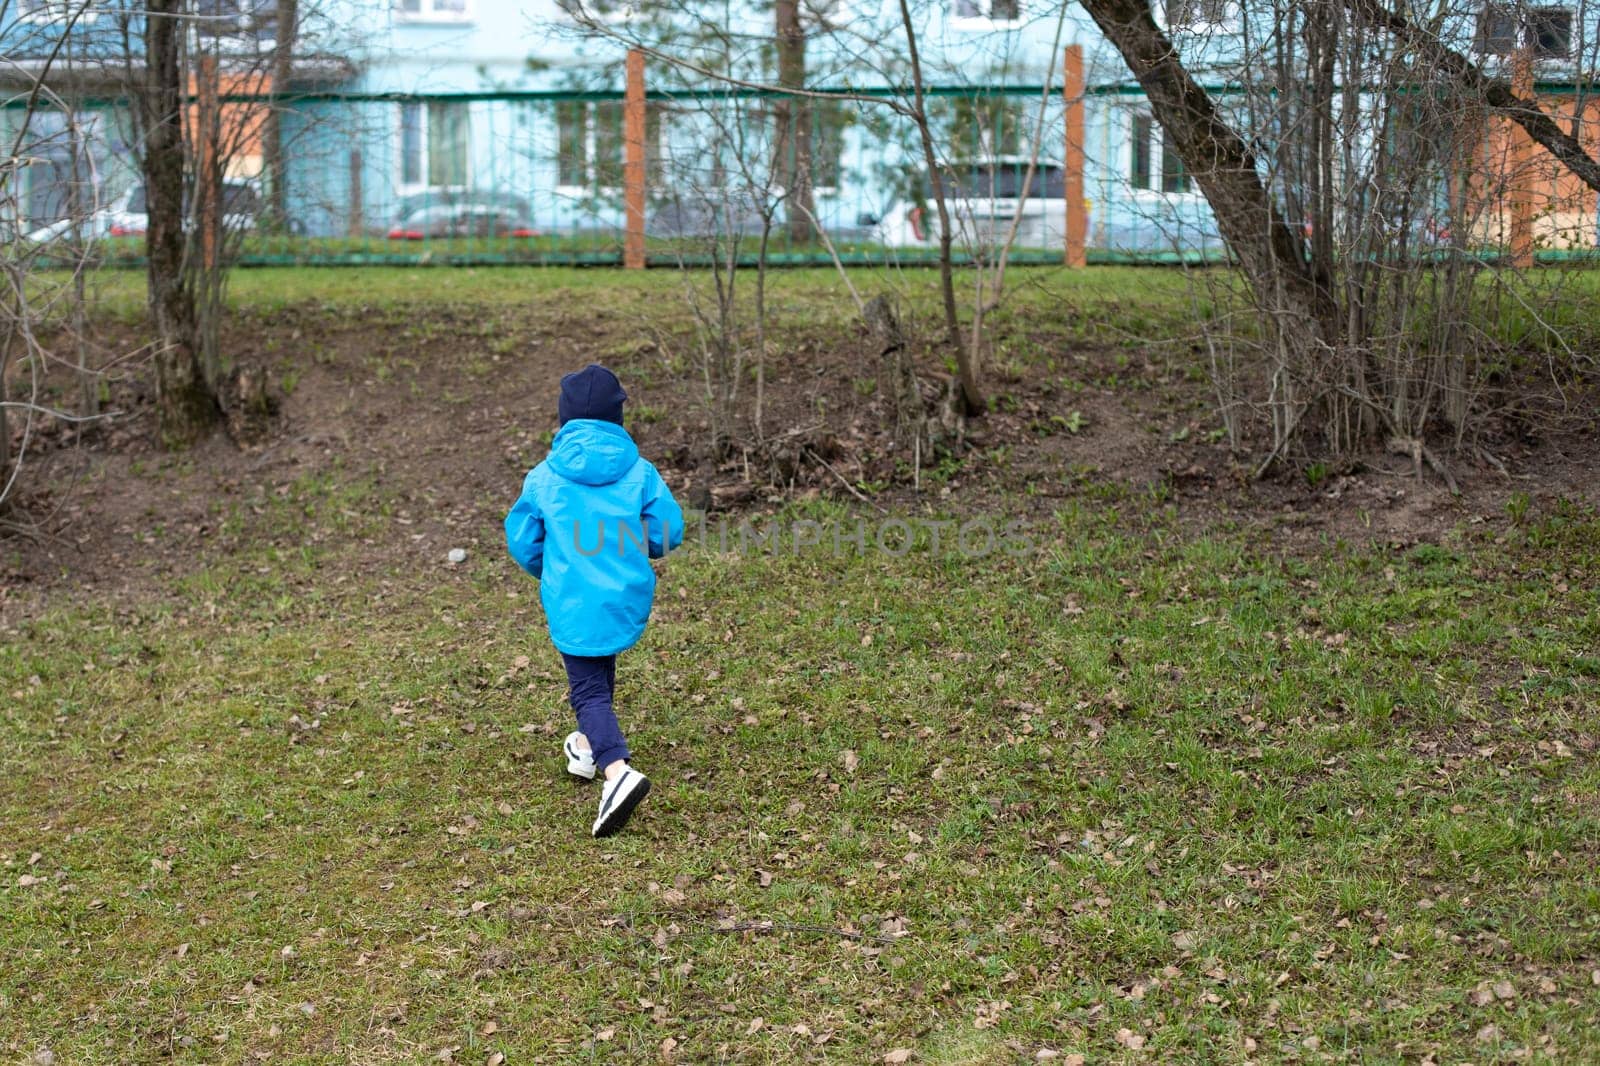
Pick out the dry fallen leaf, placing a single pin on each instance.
(755, 1026)
(1489, 1034)
(667, 1047)
(1129, 1039)
(605, 1034)
(851, 761)
(496, 1059)
(1481, 997)
(1504, 990)
(899, 1054)
(1184, 941)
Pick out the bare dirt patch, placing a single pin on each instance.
(442, 409)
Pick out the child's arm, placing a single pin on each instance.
(525, 531)
(663, 518)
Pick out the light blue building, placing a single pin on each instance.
(515, 107)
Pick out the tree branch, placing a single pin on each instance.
(1498, 93)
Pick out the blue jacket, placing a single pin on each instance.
(590, 519)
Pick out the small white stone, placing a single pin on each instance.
(457, 555)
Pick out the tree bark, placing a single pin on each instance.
(1297, 294)
(794, 116)
(1498, 93)
(272, 133)
(186, 407)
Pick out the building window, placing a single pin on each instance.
(1153, 160)
(1499, 30)
(435, 143)
(828, 123)
(572, 152)
(1174, 175)
(434, 10)
(58, 11)
(1550, 32)
(242, 21)
(591, 147)
(985, 126)
(1139, 140)
(1546, 32)
(1189, 14)
(987, 10)
(612, 11)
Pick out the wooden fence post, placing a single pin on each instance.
(1521, 178)
(356, 223)
(633, 169)
(209, 119)
(1077, 215)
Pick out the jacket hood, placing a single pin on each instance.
(592, 452)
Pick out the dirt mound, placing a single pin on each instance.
(445, 408)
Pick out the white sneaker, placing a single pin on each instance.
(617, 801)
(579, 763)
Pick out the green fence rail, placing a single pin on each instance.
(536, 177)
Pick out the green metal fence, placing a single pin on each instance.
(538, 177)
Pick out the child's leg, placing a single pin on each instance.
(591, 682)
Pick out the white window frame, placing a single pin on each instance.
(406, 188)
(430, 14)
(1157, 156)
(982, 23)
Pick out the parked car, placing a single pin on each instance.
(128, 215)
(462, 214)
(983, 197)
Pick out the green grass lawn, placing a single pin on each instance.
(1102, 304)
(1137, 797)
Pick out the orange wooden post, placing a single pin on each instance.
(1077, 215)
(633, 169)
(1521, 177)
(209, 121)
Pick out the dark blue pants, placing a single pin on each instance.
(591, 684)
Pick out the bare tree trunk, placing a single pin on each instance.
(971, 395)
(1286, 285)
(186, 406)
(272, 132)
(794, 117)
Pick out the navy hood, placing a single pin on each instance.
(592, 452)
(593, 392)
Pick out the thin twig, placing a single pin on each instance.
(843, 481)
